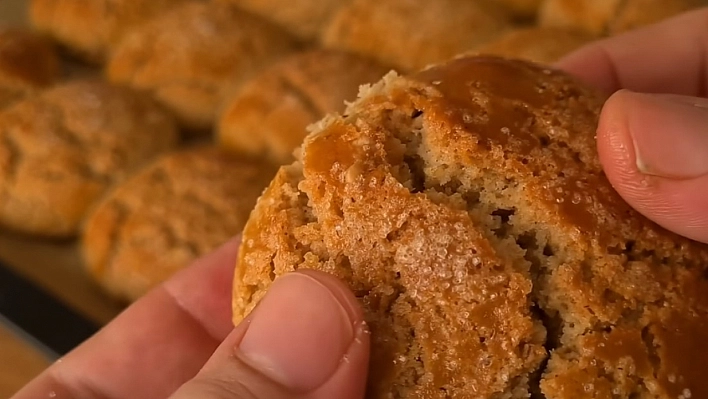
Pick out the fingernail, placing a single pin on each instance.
(300, 332)
(670, 135)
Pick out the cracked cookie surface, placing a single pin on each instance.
(467, 209)
(270, 114)
(61, 150)
(194, 56)
(177, 209)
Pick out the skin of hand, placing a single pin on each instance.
(653, 131)
(307, 338)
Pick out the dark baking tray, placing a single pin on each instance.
(40, 318)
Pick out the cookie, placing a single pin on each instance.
(302, 18)
(410, 34)
(28, 63)
(62, 149)
(91, 28)
(538, 44)
(638, 13)
(180, 207)
(600, 17)
(269, 116)
(466, 208)
(193, 56)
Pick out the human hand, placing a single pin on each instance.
(306, 340)
(653, 131)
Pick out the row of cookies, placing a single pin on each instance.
(188, 65)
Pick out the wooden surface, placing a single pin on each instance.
(19, 362)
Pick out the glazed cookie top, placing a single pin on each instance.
(270, 114)
(27, 62)
(467, 209)
(411, 34)
(181, 207)
(92, 28)
(61, 149)
(195, 55)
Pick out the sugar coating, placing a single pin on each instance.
(466, 208)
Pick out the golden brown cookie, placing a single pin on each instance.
(270, 114)
(600, 17)
(538, 44)
(61, 150)
(195, 55)
(466, 208)
(302, 18)
(180, 207)
(28, 62)
(411, 34)
(91, 28)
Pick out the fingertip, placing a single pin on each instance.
(628, 121)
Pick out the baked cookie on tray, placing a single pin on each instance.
(411, 34)
(466, 207)
(193, 56)
(62, 149)
(610, 17)
(270, 114)
(302, 18)
(91, 28)
(180, 207)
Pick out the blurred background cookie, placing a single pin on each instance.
(411, 34)
(59, 152)
(270, 114)
(27, 62)
(538, 44)
(90, 28)
(600, 17)
(195, 55)
(302, 18)
(178, 208)
(638, 13)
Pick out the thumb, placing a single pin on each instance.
(654, 148)
(306, 339)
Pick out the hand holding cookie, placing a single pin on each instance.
(306, 337)
(653, 131)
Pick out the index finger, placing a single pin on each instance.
(669, 57)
